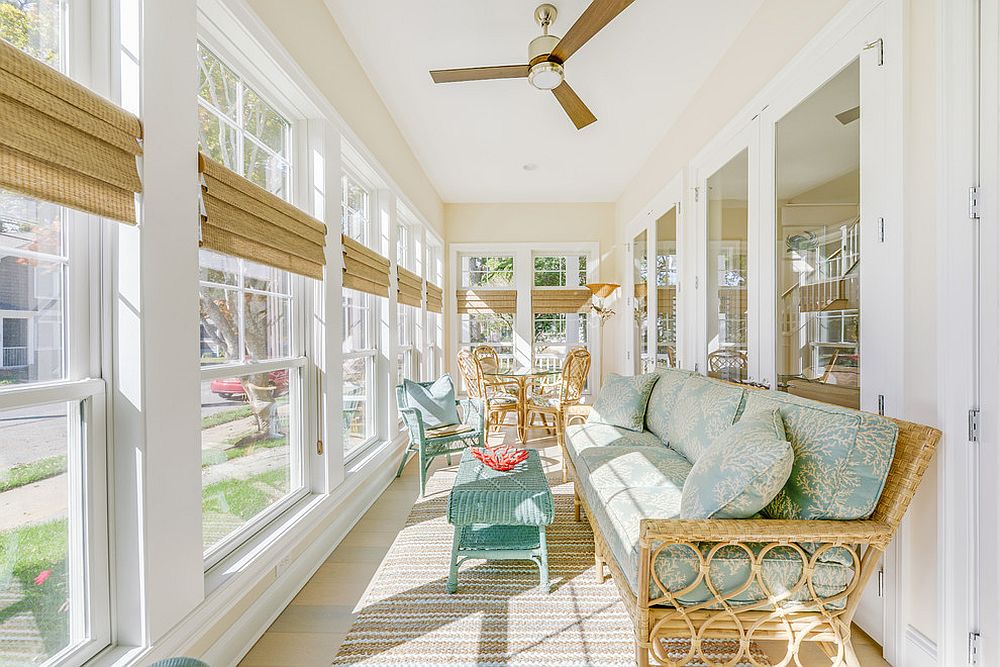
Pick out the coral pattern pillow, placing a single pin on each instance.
(622, 401)
(435, 403)
(741, 472)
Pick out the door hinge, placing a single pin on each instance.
(697, 194)
(973, 203)
(974, 638)
(319, 447)
(881, 405)
(881, 230)
(881, 583)
(879, 45)
(696, 282)
(696, 368)
(974, 425)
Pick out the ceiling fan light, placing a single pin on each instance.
(546, 75)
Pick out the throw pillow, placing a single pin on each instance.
(435, 402)
(741, 472)
(622, 401)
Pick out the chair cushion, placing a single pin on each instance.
(741, 472)
(623, 485)
(435, 401)
(580, 437)
(662, 399)
(622, 401)
(842, 458)
(703, 410)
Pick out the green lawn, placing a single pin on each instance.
(226, 416)
(35, 471)
(245, 498)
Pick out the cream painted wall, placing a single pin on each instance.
(538, 223)
(308, 32)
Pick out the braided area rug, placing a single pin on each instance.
(499, 616)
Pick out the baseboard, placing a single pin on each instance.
(918, 649)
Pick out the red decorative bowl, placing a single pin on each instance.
(501, 459)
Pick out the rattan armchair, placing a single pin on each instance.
(497, 402)
(659, 613)
(553, 400)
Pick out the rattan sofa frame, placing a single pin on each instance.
(826, 620)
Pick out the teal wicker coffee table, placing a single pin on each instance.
(500, 515)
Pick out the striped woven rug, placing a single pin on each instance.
(498, 616)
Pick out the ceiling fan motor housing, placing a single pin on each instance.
(540, 47)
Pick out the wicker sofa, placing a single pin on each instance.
(795, 578)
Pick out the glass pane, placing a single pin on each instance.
(265, 169)
(39, 593)
(727, 270)
(355, 210)
(217, 139)
(218, 268)
(583, 270)
(220, 325)
(266, 327)
(550, 272)
(818, 179)
(496, 330)
(261, 120)
(488, 271)
(357, 333)
(266, 278)
(641, 312)
(246, 461)
(666, 290)
(32, 291)
(217, 84)
(359, 394)
(37, 28)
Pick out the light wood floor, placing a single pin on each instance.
(309, 631)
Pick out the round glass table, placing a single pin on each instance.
(519, 376)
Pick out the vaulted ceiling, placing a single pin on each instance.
(475, 139)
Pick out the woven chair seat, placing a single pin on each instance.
(448, 430)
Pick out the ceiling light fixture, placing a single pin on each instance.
(546, 75)
(531, 166)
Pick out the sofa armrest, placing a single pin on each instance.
(576, 414)
(672, 531)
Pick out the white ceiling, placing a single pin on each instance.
(473, 139)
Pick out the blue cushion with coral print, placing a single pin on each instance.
(622, 401)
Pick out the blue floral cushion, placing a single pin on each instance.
(704, 409)
(663, 398)
(741, 472)
(842, 458)
(434, 401)
(622, 401)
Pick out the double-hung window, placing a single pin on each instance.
(482, 273)
(434, 273)
(554, 334)
(252, 333)
(53, 452)
(408, 257)
(360, 324)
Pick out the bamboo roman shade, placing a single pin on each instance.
(364, 269)
(563, 300)
(487, 301)
(435, 298)
(411, 287)
(243, 219)
(63, 143)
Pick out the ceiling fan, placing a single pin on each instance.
(546, 57)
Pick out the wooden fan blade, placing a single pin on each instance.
(594, 18)
(479, 73)
(573, 106)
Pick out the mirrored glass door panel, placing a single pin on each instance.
(640, 312)
(727, 275)
(667, 284)
(818, 273)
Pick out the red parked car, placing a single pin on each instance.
(231, 389)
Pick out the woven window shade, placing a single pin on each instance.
(364, 269)
(665, 300)
(63, 143)
(567, 300)
(245, 220)
(435, 298)
(411, 287)
(487, 301)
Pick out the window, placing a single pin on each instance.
(407, 257)
(241, 130)
(252, 346)
(53, 527)
(550, 272)
(356, 209)
(487, 272)
(360, 355)
(435, 321)
(495, 329)
(555, 333)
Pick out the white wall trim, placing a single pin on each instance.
(918, 649)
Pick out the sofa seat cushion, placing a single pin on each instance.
(703, 410)
(662, 399)
(842, 458)
(580, 437)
